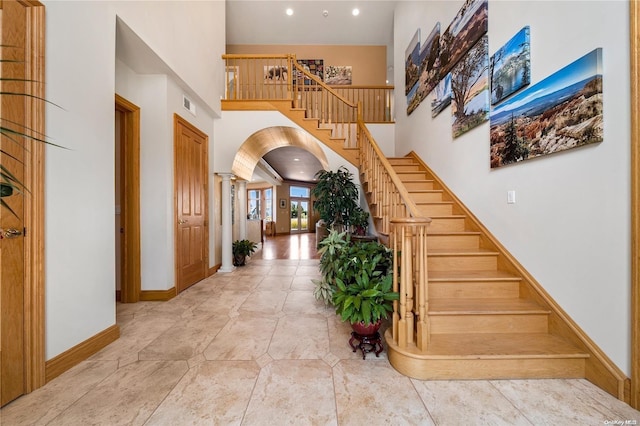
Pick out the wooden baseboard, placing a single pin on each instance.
(214, 269)
(71, 357)
(157, 295)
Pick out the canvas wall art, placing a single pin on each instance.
(337, 75)
(470, 89)
(275, 74)
(412, 61)
(429, 74)
(313, 66)
(510, 67)
(442, 96)
(561, 112)
(471, 23)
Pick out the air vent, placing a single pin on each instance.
(188, 105)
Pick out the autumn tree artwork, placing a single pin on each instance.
(561, 112)
(470, 89)
(471, 23)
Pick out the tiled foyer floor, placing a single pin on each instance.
(253, 347)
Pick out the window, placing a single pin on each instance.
(253, 209)
(268, 204)
(299, 192)
(260, 204)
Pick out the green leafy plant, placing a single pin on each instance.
(336, 196)
(13, 132)
(363, 283)
(359, 221)
(330, 249)
(241, 249)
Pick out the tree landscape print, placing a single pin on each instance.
(471, 23)
(470, 89)
(429, 74)
(412, 72)
(511, 67)
(561, 112)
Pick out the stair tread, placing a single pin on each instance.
(454, 233)
(480, 275)
(423, 191)
(419, 203)
(484, 306)
(502, 345)
(461, 252)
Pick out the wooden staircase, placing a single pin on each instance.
(471, 310)
(487, 318)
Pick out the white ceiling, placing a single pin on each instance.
(265, 22)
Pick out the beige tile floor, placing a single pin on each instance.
(253, 347)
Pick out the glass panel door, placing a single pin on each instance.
(299, 216)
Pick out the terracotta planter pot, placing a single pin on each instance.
(367, 330)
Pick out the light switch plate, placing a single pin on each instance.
(511, 197)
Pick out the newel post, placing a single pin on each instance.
(410, 278)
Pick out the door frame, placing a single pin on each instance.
(177, 122)
(34, 275)
(634, 34)
(130, 210)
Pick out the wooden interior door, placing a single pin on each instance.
(192, 230)
(13, 109)
(22, 222)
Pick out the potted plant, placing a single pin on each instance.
(364, 286)
(330, 250)
(359, 221)
(242, 249)
(336, 197)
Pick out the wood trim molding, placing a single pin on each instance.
(34, 327)
(214, 269)
(131, 274)
(157, 295)
(71, 357)
(634, 34)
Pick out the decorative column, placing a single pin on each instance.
(227, 227)
(241, 194)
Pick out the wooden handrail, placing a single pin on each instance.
(247, 78)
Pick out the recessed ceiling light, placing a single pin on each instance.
(355, 12)
(289, 11)
(296, 159)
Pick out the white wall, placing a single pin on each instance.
(570, 226)
(80, 77)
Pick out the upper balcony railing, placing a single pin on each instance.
(280, 76)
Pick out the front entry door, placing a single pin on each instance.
(299, 216)
(192, 230)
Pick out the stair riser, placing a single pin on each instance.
(419, 185)
(474, 290)
(506, 323)
(412, 176)
(486, 369)
(426, 197)
(446, 225)
(406, 167)
(453, 241)
(462, 263)
(401, 161)
(429, 210)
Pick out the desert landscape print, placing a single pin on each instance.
(562, 112)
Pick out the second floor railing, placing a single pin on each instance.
(280, 76)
